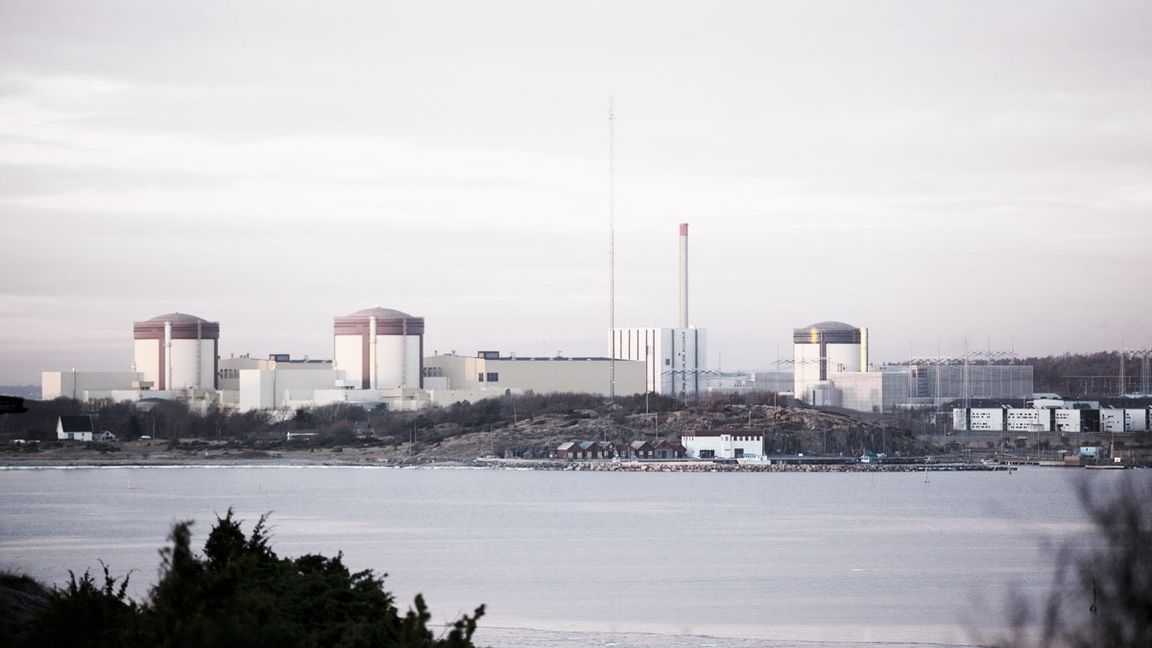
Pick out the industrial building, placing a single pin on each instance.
(675, 359)
(377, 360)
(176, 351)
(488, 370)
(174, 356)
(379, 348)
(1053, 416)
(831, 368)
(724, 444)
(822, 351)
(940, 383)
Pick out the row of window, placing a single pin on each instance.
(492, 376)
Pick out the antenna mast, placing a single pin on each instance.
(612, 246)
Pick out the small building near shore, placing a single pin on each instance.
(75, 428)
(620, 450)
(724, 444)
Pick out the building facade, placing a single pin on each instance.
(379, 348)
(176, 351)
(492, 371)
(675, 359)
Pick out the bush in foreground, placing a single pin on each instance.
(240, 593)
(1101, 594)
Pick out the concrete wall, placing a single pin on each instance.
(1068, 420)
(348, 356)
(542, 376)
(146, 355)
(398, 361)
(184, 369)
(1111, 420)
(1136, 420)
(273, 389)
(837, 358)
(84, 385)
(862, 392)
(724, 446)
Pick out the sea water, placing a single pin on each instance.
(601, 558)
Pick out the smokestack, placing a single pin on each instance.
(864, 349)
(683, 275)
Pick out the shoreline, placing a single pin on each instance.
(484, 463)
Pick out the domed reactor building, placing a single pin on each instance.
(177, 351)
(822, 350)
(379, 348)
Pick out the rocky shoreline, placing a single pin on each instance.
(492, 463)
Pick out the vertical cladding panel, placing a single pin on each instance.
(51, 386)
(843, 358)
(1136, 420)
(184, 363)
(146, 354)
(256, 389)
(806, 368)
(208, 364)
(415, 343)
(348, 356)
(397, 361)
(959, 419)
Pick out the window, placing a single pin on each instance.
(493, 376)
(707, 454)
(480, 377)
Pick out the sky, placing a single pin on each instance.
(940, 172)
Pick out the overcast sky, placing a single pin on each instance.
(937, 171)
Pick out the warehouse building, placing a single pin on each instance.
(492, 372)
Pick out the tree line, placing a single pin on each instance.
(238, 593)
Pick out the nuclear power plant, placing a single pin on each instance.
(379, 358)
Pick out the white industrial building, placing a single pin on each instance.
(831, 368)
(86, 385)
(230, 368)
(674, 359)
(176, 351)
(723, 444)
(489, 371)
(1046, 416)
(174, 356)
(379, 348)
(821, 352)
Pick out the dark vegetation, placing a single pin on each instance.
(238, 593)
(528, 425)
(1101, 594)
(335, 424)
(1084, 374)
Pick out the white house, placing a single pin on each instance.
(74, 428)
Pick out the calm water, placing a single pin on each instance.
(596, 559)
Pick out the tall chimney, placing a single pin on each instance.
(683, 275)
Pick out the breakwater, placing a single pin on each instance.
(717, 467)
